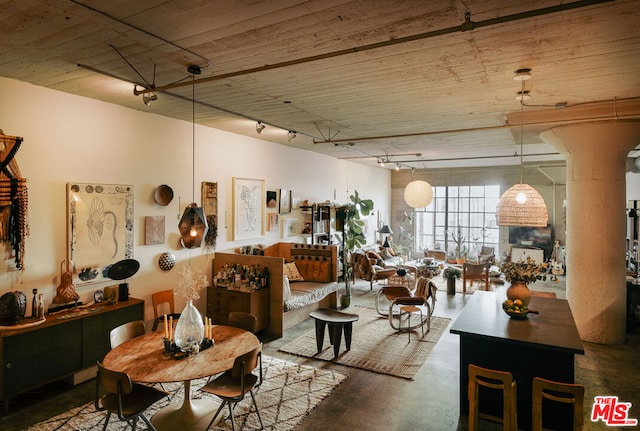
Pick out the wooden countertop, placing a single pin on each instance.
(552, 328)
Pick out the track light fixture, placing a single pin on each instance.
(397, 166)
(149, 97)
(260, 127)
(291, 135)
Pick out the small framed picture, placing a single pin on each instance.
(273, 222)
(285, 201)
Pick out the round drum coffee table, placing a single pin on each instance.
(337, 320)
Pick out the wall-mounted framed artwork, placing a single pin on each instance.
(290, 227)
(272, 199)
(154, 230)
(285, 201)
(100, 228)
(273, 222)
(248, 208)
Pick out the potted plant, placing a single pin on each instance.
(353, 226)
(460, 251)
(450, 274)
(521, 273)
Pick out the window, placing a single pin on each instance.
(459, 213)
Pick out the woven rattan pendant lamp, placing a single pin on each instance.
(522, 205)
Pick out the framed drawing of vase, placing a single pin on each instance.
(248, 208)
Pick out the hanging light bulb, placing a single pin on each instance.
(521, 204)
(193, 225)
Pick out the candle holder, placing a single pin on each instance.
(169, 346)
(206, 343)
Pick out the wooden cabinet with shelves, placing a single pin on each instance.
(61, 346)
(317, 223)
(221, 301)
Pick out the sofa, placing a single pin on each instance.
(290, 301)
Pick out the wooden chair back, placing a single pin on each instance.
(492, 379)
(242, 320)
(566, 393)
(158, 299)
(126, 332)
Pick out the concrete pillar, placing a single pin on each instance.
(596, 223)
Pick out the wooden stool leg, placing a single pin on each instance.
(319, 334)
(336, 329)
(348, 331)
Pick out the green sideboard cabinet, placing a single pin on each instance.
(34, 356)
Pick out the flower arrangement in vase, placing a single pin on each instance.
(521, 273)
(190, 328)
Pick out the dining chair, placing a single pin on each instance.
(472, 272)
(158, 299)
(115, 393)
(497, 380)
(242, 320)
(566, 393)
(232, 385)
(126, 331)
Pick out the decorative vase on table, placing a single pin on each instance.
(190, 329)
(519, 290)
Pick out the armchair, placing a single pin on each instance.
(473, 272)
(367, 269)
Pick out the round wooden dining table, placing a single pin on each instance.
(143, 360)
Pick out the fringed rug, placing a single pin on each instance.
(375, 345)
(287, 395)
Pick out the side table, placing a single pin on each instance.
(337, 320)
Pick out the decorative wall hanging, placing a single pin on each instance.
(163, 195)
(166, 261)
(248, 210)
(154, 230)
(210, 206)
(14, 199)
(285, 201)
(100, 228)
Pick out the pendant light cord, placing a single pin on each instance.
(193, 138)
(521, 135)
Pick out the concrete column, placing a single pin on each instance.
(596, 223)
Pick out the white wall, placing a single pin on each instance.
(74, 139)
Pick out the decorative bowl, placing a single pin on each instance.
(519, 315)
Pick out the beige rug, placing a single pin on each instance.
(375, 346)
(287, 395)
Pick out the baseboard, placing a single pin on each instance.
(82, 376)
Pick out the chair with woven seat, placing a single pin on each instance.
(398, 296)
(232, 385)
(566, 393)
(126, 332)
(115, 393)
(472, 272)
(497, 380)
(242, 320)
(158, 299)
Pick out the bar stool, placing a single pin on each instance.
(567, 393)
(409, 309)
(492, 379)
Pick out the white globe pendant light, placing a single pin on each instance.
(418, 194)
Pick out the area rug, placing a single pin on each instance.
(289, 392)
(375, 346)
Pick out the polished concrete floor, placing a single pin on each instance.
(370, 401)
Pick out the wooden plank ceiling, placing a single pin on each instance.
(346, 76)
